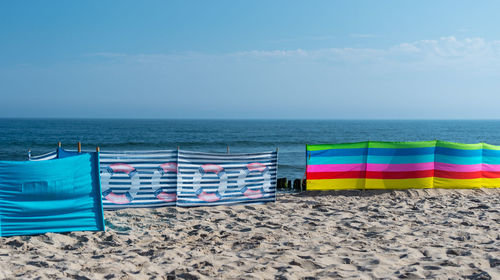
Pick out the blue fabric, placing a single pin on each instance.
(169, 178)
(134, 178)
(138, 179)
(58, 195)
(62, 153)
(459, 152)
(217, 179)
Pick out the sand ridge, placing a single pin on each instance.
(412, 234)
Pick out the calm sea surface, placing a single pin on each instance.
(42, 135)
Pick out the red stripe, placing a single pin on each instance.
(402, 175)
(491, 174)
(336, 175)
(371, 175)
(458, 175)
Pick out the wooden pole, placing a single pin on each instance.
(79, 147)
(297, 185)
(280, 182)
(97, 149)
(227, 149)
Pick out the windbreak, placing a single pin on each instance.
(402, 165)
(58, 195)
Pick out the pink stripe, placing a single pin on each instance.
(457, 167)
(491, 167)
(404, 167)
(400, 167)
(336, 167)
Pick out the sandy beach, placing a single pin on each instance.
(411, 234)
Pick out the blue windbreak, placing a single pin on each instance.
(57, 195)
(138, 179)
(62, 153)
(217, 179)
(169, 178)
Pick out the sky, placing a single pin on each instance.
(250, 59)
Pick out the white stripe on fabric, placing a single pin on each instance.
(145, 182)
(47, 156)
(136, 179)
(220, 179)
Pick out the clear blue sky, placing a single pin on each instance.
(250, 59)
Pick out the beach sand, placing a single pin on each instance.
(353, 234)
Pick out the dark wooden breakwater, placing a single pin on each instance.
(285, 185)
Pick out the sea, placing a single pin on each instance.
(17, 136)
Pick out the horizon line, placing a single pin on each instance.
(251, 119)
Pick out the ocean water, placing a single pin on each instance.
(290, 136)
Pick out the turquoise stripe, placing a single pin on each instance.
(491, 160)
(371, 159)
(458, 160)
(400, 159)
(336, 160)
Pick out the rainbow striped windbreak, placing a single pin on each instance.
(402, 165)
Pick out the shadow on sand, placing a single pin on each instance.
(366, 193)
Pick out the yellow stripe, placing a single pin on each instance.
(335, 184)
(359, 184)
(491, 182)
(420, 183)
(416, 183)
(445, 183)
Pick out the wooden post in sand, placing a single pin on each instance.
(296, 185)
(79, 147)
(281, 182)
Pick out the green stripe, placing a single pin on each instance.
(402, 145)
(490, 147)
(372, 144)
(459, 146)
(357, 145)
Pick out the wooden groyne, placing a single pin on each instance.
(296, 185)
